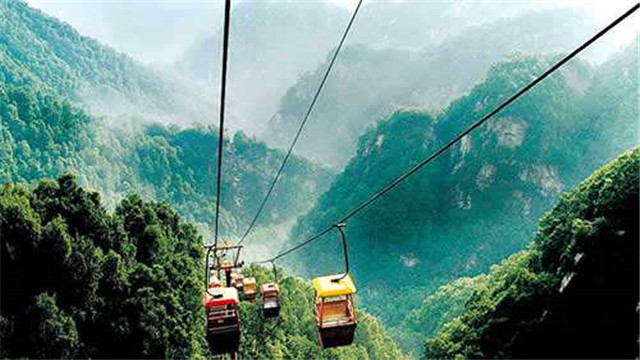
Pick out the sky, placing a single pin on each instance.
(156, 32)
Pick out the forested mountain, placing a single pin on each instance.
(117, 273)
(42, 136)
(38, 50)
(367, 85)
(478, 204)
(44, 131)
(128, 284)
(276, 43)
(572, 293)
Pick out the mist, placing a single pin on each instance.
(275, 43)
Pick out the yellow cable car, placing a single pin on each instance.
(270, 295)
(334, 310)
(250, 288)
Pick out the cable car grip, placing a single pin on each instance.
(343, 237)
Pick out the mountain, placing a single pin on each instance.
(270, 44)
(572, 293)
(43, 136)
(273, 43)
(368, 84)
(412, 24)
(478, 203)
(46, 130)
(38, 50)
(128, 284)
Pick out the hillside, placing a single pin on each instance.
(276, 43)
(368, 84)
(572, 293)
(43, 136)
(74, 275)
(38, 50)
(479, 203)
(128, 284)
(47, 129)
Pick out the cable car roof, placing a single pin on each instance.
(269, 288)
(221, 296)
(326, 287)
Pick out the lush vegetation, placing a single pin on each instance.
(44, 136)
(571, 293)
(38, 50)
(474, 207)
(79, 281)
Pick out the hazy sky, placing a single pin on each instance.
(158, 31)
(152, 31)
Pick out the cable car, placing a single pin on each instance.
(250, 288)
(270, 295)
(223, 320)
(237, 281)
(334, 310)
(214, 282)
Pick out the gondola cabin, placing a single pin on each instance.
(237, 281)
(270, 295)
(223, 320)
(250, 288)
(214, 282)
(334, 311)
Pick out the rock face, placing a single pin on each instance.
(573, 293)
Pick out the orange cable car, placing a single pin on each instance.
(334, 309)
(270, 296)
(250, 288)
(237, 282)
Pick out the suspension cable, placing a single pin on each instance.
(302, 124)
(223, 93)
(399, 179)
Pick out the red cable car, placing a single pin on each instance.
(223, 319)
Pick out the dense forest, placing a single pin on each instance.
(43, 136)
(38, 50)
(128, 284)
(479, 204)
